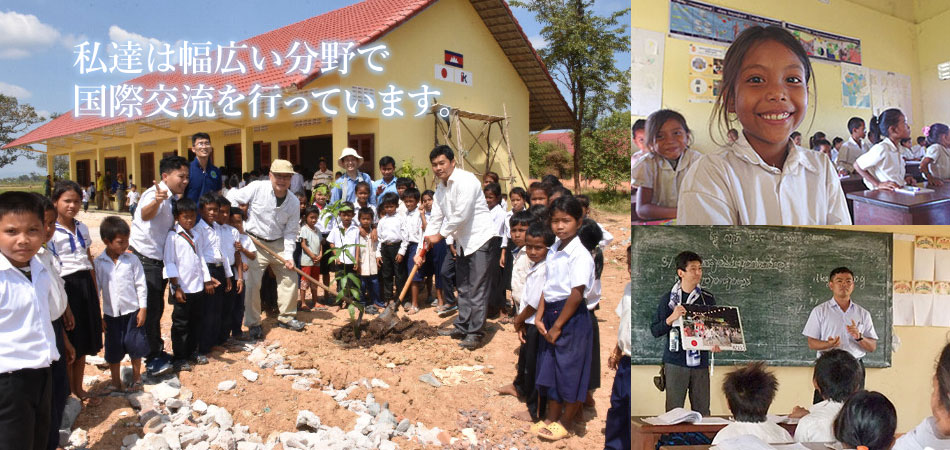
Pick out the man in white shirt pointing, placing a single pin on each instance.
(460, 201)
(273, 217)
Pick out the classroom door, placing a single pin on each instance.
(261, 155)
(289, 150)
(83, 173)
(232, 157)
(147, 168)
(312, 148)
(363, 144)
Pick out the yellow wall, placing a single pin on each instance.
(906, 382)
(932, 50)
(887, 43)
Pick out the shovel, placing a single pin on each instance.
(389, 315)
(300, 272)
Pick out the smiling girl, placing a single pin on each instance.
(659, 173)
(763, 178)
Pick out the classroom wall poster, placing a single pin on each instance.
(891, 90)
(827, 46)
(903, 303)
(705, 72)
(699, 20)
(923, 302)
(646, 72)
(855, 87)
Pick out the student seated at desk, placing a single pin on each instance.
(882, 167)
(934, 431)
(837, 375)
(867, 420)
(749, 392)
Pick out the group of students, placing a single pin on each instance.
(761, 175)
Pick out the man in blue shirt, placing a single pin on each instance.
(203, 176)
(387, 168)
(350, 160)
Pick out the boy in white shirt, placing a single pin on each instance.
(389, 244)
(189, 283)
(854, 147)
(208, 238)
(492, 192)
(243, 246)
(749, 392)
(345, 237)
(29, 343)
(411, 236)
(121, 281)
(837, 375)
(228, 236)
(367, 264)
(132, 199)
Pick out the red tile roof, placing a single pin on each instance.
(362, 23)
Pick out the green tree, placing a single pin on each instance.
(580, 58)
(15, 118)
(60, 166)
(607, 149)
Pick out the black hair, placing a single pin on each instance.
(347, 207)
(519, 191)
(199, 135)
(208, 198)
(819, 142)
(412, 193)
(404, 182)
(837, 374)
(867, 419)
(45, 203)
(223, 201)
(246, 177)
(522, 218)
(921, 140)
(562, 191)
(494, 188)
(936, 130)
(308, 211)
(749, 392)
(836, 141)
(366, 212)
(170, 164)
(684, 258)
(590, 234)
(568, 205)
(874, 130)
(551, 180)
(854, 123)
(795, 134)
(389, 198)
(838, 270)
(543, 231)
(184, 205)
(658, 118)
(732, 64)
(63, 186)
(232, 182)
(889, 118)
(584, 199)
(942, 375)
(905, 140)
(363, 184)
(492, 175)
(387, 160)
(234, 211)
(112, 227)
(542, 186)
(813, 140)
(442, 150)
(19, 202)
(639, 125)
(540, 212)
(431, 193)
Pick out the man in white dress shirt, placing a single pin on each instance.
(841, 323)
(150, 225)
(273, 218)
(460, 201)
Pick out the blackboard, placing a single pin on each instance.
(774, 275)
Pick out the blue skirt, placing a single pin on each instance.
(563, 369)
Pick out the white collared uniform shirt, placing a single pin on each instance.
(389, 231)
(655, 172)
(122, 284)
(148, 237)
(498, 218)
(817, 426)
(519, 274)
(533, 288)
(827, 320)
(72, 248)
(566, 269)
(184, 262)
(924, 437)
(267, 220)
(461, 202)
(940, 167)
(849, 153)
(350, 236)
(248, 245)
(26, 330)
(736, 187)
(884, 161)
(623, 311)
(208, 239)
(768, 432)
(57, 290)
(411, 230)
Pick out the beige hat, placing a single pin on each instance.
(281, 166)
(350, 152)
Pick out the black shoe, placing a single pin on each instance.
(159, 368)
(256, 333)
(242, 336)
(293, 324)
(470, 342)
(199, 360)
(453, 332)
(182, 366)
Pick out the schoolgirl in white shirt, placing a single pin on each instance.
(659, 174)
(934, 431)
(936, 163)
(882, 167)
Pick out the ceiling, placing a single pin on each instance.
(914, 11)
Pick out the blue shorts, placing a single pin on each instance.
(124, 338)
(409, 259)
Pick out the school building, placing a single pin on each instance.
(493, 83)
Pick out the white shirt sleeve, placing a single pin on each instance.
(171, 258)
(644, 173)
(813, 325)
(703, 198)
(838, 213)
(141, 291)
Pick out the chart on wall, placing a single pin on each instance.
(855, 87)
(646, 72)
(828, 46)
(891, 90)
(705, 72)
(699, 20)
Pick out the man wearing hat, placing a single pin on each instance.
(350, 161)
(273, 217)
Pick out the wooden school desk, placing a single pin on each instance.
(892, 208)
(645, 436)
(849, 184)
(810, 445)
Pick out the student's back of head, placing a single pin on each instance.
(867, 419)
(837, 375)
(749, 392)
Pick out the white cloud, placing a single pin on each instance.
(538, 42)
(13, 90)
(121, 36)
(21, 34)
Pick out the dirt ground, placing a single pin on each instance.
(269, 405)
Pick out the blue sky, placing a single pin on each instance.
(37, 38)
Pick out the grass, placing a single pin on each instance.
(617, 201)
(38, 188)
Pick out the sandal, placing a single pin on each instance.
(412, 311)
(136, 386)
(90, 401)
(537, 426)
(555, 432)
(109, 389)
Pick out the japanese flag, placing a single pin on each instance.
(445, 73)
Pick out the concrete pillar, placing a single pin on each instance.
(134, 165)
(341, 135)
(49, 163)
(184, 143)
(247, 149)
